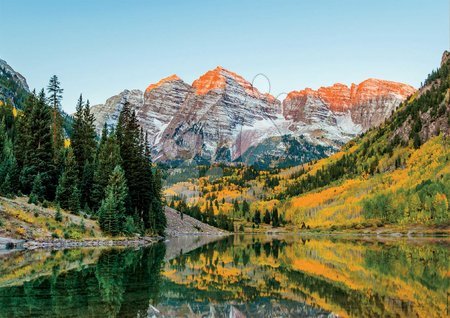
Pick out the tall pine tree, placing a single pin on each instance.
(55, 91)
(128, 135)
(67, 191)
(84, 146)
(112, 209)
(107, 158)
(144, 188)
(38, 159)
(23, 132)
(9, 173)
(158, 216)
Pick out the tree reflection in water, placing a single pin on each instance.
(283, 276)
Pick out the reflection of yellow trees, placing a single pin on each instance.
(82, 282)
(348, 278)
(21, 266)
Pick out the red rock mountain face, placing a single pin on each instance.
(221, 115)
(211, 117)
(369, 103)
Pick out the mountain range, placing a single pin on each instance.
(221, 117)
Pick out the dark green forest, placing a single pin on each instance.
(110, 178)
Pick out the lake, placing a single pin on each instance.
(235, 276)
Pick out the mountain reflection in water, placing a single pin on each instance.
(235, 276)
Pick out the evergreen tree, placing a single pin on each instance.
(58, 214)
(55, 91)
(275, 218)
(158, 215)
(245, 208)
(112, 209)
(83, 135)
(128, 135)
(9, 172)
(38, 158)
(151, 191)
(257, 217)
(68, 182)
(22, 145)
(84, 147)
(76, 141)
(87, 180)
(89, 133)
(107, 158)
(236, 207)
(267, 217)
(38, 190)
(144, 188)
(74, 199)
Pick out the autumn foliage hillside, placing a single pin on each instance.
(398, 173)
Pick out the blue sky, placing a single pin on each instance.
(100, 47)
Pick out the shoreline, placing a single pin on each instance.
(10, 243)
(384, 231)
(22, 244)
(7, 243)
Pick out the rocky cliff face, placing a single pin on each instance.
(222, 117)
(208, 123)
(16, 76)
(108, 113)
(13, 86)
(337, 113)
(162, 101)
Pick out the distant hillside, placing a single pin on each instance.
(14, 91)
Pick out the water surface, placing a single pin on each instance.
(236, 276)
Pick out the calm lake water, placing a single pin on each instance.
(236, 276)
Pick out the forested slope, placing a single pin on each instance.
(397, 173)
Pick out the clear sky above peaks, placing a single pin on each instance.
(100, 47)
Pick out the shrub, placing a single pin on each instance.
(21, 231)
(82, 226)
(72, 234)
(58, 215)
(130, 226)
(33, 199)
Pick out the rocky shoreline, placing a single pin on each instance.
(6, 243)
